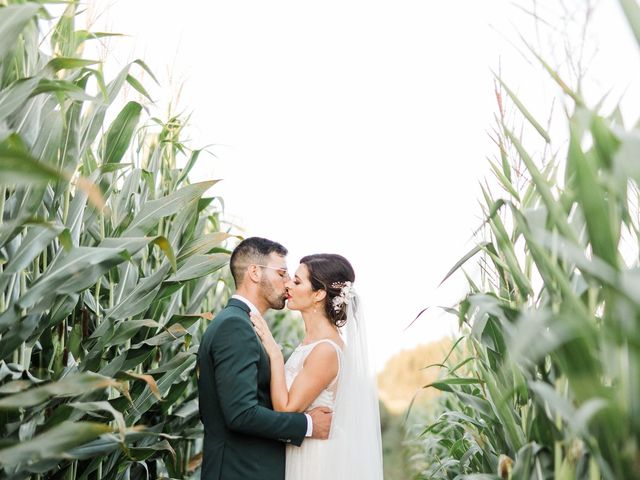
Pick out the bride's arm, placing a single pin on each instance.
(320, 368)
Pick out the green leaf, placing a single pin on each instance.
(604, 141)
(65, 63)
(543, 133)
(128, 329)
(576, 419)
(198, 266)
(154, 210)
(82, 36)
(121, 132)
(13, 20)
(36, 240)
(544, 189)
(192, 161)
(188, 320)
(18, 167)
(593, 203)
(507, 248)
(62, 87)
(127, 360)
(72, 272)
(146, 68)
(165, 246)
(504, 181)
(144, 453)
(146, 400)
(92, 120)
(632, 12)
(91, 407)
(131, 80)
(76, 384)
(463, 260)
(445, 385)
(15, 96)
(63, 38)
(552, 274)
(53, 443)
(170, 335)
(134, 244)
(138, 300)
(17, 334)
(171, 363)
(503, 409)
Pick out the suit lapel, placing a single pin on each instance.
(234, 302)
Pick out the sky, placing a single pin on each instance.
(353, 127)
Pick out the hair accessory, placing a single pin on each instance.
(345, 296)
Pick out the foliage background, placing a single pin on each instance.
(111, 263)
(544, 379)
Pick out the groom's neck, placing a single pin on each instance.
(254, 298)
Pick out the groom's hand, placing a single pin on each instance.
(321, 417)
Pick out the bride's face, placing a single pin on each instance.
(300, 294)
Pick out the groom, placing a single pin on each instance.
(243, 437)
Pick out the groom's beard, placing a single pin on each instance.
(274, 298)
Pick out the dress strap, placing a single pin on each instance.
(328, 340)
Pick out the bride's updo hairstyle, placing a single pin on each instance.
(325, 270)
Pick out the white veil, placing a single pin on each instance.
(355, 431)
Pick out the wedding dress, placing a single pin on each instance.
(307, 461)
(354, 448)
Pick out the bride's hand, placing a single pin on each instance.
(262, 329)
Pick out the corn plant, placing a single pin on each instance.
(111, 264)
(550, 383)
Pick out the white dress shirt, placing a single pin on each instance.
(253, 308)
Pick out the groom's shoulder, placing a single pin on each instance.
(229, 326)
(229, 316)
(230, 311)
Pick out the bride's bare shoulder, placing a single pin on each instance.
(323, 354)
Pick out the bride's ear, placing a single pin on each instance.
(320, 295)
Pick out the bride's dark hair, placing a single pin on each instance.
(326, 269)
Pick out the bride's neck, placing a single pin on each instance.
(316, 326)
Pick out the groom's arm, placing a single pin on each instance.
(236, 353)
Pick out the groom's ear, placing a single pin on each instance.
(253, 273)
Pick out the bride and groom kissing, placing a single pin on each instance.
(315, 416)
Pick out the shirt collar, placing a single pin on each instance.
(251, 306)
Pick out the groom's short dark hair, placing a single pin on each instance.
(252, 250)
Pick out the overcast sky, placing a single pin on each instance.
(353, 127)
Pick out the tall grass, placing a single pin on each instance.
(548, 385)
(110, 264)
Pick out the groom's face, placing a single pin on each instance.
(273, 279)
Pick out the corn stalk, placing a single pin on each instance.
(111, 265)
(550, 387)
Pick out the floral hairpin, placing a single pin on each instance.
(345, 296)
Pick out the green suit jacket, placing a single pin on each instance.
(243, 437)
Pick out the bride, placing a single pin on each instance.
(329, 368)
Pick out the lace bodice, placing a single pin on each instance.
(295, 363)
